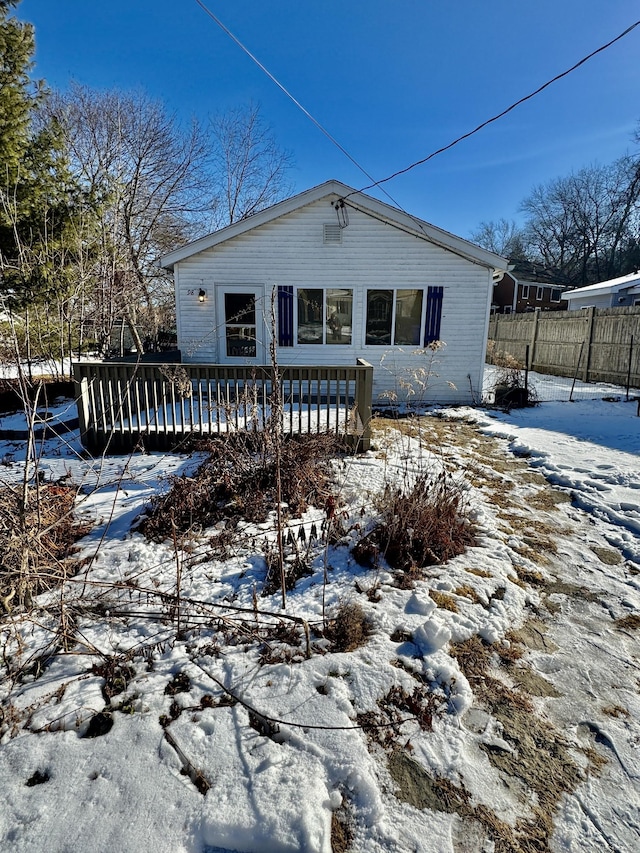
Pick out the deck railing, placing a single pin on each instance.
(124, 405)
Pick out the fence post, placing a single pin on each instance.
(629, 366)
(589, 342)
(575, 375)
(534, 337)
(364, 393)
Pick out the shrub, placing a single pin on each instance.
(349, 628)
(419, 527)
(38, 530)
(238, 480)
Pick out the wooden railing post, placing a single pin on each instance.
(82, 398)
(364, 394)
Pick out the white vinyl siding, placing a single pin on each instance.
(374, 255)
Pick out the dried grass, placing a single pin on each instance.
(444, 600)
(628, 623)
(418, 527)
(238, 480)
(37, 540)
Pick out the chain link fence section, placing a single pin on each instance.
(545, 388)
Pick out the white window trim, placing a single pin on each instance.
(539, 294)
(324, 289)
(524, 291)
(394, 290)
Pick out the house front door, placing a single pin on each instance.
(241, 334)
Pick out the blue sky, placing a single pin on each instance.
(391, 80)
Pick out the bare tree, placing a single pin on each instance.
(249, 167)
(146, 183)
(504, 237)
(583, 224)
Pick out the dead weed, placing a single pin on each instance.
(238, 480)
(349, 628)
(419, 527)
(38, 531)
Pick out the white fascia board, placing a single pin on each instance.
(614, 285)
(353, 198)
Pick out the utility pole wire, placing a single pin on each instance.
(433, 154)
(504, 112)
(283, 89)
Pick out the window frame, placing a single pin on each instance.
(524, 291)
(324, 289)
(539, 293)
(424, 290)
(557, 290)
(431, 297)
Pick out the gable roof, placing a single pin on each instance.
(354, 200)
(613, 285)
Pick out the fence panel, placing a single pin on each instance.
(593, 345)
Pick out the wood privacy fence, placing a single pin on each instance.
(122, 406)
(594, 345)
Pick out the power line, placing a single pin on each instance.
(334, 141)
(504, 112)
(294, 100)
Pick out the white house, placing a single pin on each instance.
(350, 277)
(615, 293)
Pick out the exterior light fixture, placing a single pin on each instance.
(202, 295)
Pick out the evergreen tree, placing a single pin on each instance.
(37, 196)
(16, 49)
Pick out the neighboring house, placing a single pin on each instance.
(528, 286)
(353, 278)
(615, 293)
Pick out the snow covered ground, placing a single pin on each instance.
(223, 735)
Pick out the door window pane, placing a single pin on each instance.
(310, 316)
(408, 317)
(379, 316)
(339, 316)
(240, 325)
(241, 341)
(240, 308)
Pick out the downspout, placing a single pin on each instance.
(493, 277)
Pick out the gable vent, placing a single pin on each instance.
(331, 234)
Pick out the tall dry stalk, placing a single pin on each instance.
(275, 427)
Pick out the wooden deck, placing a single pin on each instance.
(122, 406)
